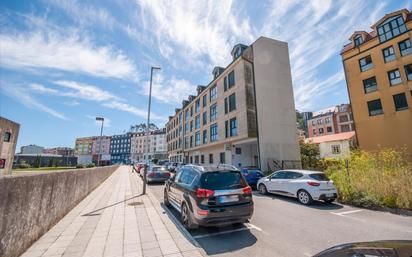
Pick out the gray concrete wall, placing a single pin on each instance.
(31, 204)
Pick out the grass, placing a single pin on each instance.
(41, 169)
(381, 179)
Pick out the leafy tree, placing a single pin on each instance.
(299, 120)
(37, 161)
(142, 127)
(310, 156)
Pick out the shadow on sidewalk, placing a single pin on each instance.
(92, 213)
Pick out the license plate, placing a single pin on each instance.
(228, 198)
(329, 195)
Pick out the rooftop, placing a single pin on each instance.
(330, 138)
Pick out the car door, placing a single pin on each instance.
(274, 185)
(174, 190)
(290, 184)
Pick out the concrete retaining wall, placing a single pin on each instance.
(31, 204)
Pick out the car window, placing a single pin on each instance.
(319, 177)
(187, 177)
(293, 175)
(158, 169)
(279, 175)
(221, 180)
(255, 172)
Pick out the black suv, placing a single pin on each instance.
(209, 195)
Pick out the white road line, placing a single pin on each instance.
(346, 212)
(248, 227)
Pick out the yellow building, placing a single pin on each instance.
(378, 69)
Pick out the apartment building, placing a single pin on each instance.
(157, 146)
(333, 120)
(31, 149)
(120, 148)
(63, 151)
(378, 69)
(83, 149)
(245, 116)
(9, 132)
(102, 152)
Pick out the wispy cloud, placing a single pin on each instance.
(20, 94)
(42, 89)
(85, 91)
(107, 121)
(63, 51)
(132, 109)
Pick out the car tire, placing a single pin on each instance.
(304, 197)
(186, 218)
(329, 201)
(166, 199)
(262, 189)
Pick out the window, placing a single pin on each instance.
(197, 106)
(226, 128)
(186, 142)
(320, 130)
(202, 159)
(366, 63)
(7, 137)
(329, 129)
(408, 71)
(327, 120)
(319, 121)
(191, 125)
(191, 111)
(293, 175)
(191, 141)
(405, 47)
(232, 102)
(313, 122)
(400, 102)
(375, 107)
(204, 100)
(370, 85)
(279, 175)
(336, 149)
(238, 150)
(2, 163)
(191, 159)
(345, 128)
(186, 114)
(388, 54)
(314, 131)
(213, 133)
(392, 27)
(211, 158)
(186, 127)
(343, 118)
(226, 108)
(233, 127)
(213, 93)
(187, 177)
(197, 138)
(213, 112)
(231, 79)
(204, 118)
(204, 136)
(197, 122)
(358, 40)
(394, 77)
(222, 157)
(225, 84)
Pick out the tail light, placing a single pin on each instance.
(247, 190)
(204, 193)
(314, 184)
(202, 212)
(151, 175)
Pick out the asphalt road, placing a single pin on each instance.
(280, 226)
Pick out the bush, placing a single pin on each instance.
(80, 166)
(375, 179)
(90, 165)
(24, 166)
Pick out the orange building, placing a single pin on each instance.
(378, 69)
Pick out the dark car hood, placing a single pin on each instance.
(389, 248)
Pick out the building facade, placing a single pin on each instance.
(9, 132)
(63, 151)
(333, 120)
(335, 145)
(378, 69)
(103, 150)
(120, 148)
(31, 149)
(244, 117)
(157, 146)
(83, 150)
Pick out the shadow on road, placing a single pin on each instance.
(315, 205)
(92, 213)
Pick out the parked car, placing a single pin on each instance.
(157, 173)
(138, 167)
(209, 196)
(305, 185)
(172, 166)
(175, 166)
(252, 175)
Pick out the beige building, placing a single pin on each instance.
(378, 69)
(83, 149)
(245, 116)
(334, 145)
(9, 132)
(157, 146)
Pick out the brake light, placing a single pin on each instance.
(247, 190)
(151, 175)
(202, 212)
(204, 193)
(314, 184)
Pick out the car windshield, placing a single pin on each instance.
(319, 177)
(158, 169)
(221, 180)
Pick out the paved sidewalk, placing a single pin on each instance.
(114, 221)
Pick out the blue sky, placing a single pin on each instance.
(64, 62)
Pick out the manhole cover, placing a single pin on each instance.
(135, 203)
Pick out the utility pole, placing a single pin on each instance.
(147, 130)
(100, 140)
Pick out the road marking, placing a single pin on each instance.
(248, 226)
(346, 212)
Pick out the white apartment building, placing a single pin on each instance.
(245, 116)
(104, 150)
(157, 146)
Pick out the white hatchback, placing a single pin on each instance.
(305, 185)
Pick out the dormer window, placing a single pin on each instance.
(238, 52)
(358, 40)
(391, 27)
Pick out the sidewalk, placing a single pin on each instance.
(114, 221)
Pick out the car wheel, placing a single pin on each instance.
(262, 189)
(166, 199)
(304, 197)
(186, 217)
(329, 201)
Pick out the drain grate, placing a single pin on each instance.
(135, 203)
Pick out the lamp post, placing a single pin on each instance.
(147, 130)
(100, 140)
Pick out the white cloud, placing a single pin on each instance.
(21, 95)
(107, 121)
(63, 51)
(42, 89)
(85, 91)
(132, 109)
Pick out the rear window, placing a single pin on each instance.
(254, 171)
(222, 180)
(159, 169)
(319, 177)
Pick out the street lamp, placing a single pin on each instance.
(100, 140)
(147, 129)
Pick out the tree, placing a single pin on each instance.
(310, 156)
(142, 127)
(299, 120)
(37, 161)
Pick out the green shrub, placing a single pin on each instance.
(80, 166)
(24, 166)
(90, 165)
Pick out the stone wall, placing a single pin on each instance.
(31, 204)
